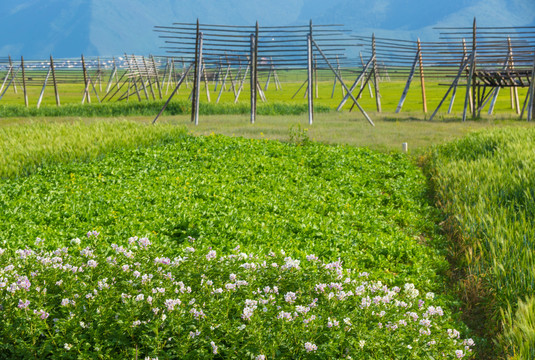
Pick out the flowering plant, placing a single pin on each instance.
(128, 301)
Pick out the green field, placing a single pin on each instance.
(291, 81)
(339, 189)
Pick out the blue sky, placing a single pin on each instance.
(109, 27)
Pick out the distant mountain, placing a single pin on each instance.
(68, 28)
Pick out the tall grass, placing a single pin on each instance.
(486, 185)
(26, 147)
(151, 108)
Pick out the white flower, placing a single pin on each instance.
(67, 346)
(211, 255)
(362, 343)
(214, 347)
(310, 347)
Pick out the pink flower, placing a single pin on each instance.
(24, 304)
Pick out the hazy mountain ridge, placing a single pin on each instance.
(67, 28)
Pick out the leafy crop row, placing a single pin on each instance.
(344, 205)
(486, 184)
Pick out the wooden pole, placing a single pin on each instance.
(223, 84)
(9, 84)
(408, 84)
(242, 82)
(206, 86)
(12, 76)
(157, 77)
(86, 90)
(6, 77)
(515, 102)
(43, 89)
(131, 74)
(99, 74)
(375, 77)
(369, 85)
(147, 70)
(453, 86)
(316, 76)
(422, 79)
(233, 86)
(194, 97)
(463, 60)
(309, 76)
(254, 72)
(24, 82)
(472, 69)
(343, 84)
(497, 89)
(54, 80)
(140, 74)
(173, 93)
(269, 76)
(252, 82)
(257, 31)
(113, 73)
(339, 69)
(531, 104)
(197, 80)
(359, 79)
